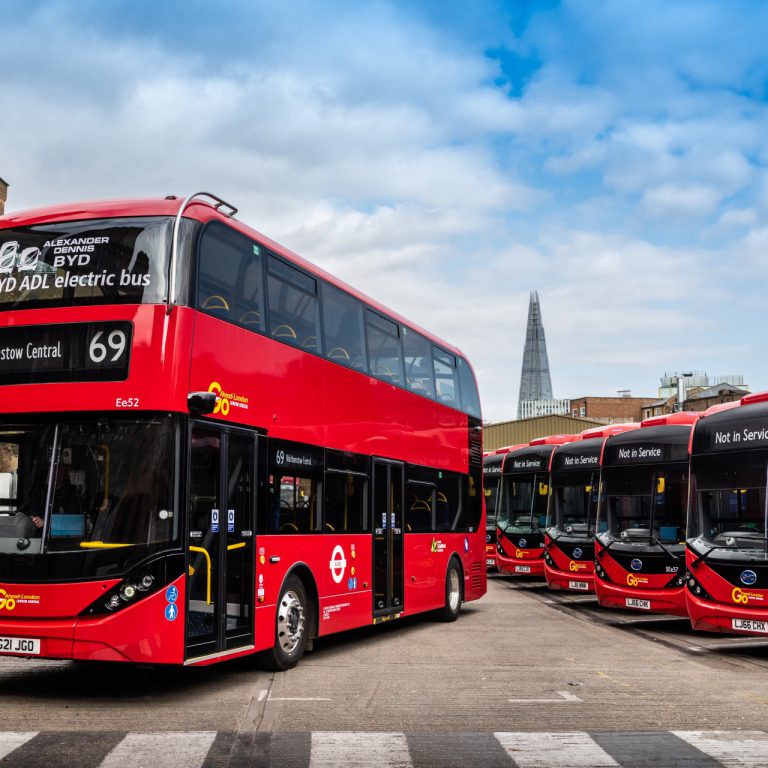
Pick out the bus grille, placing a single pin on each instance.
(476, 576)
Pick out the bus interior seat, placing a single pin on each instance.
(216, 305)
(283, 331)
(310, 343)
(251, 317)
(338, 353)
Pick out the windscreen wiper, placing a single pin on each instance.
(669, 552)
(702, 558)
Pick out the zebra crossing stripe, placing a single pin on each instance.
(359, 750)
(11, 740)
(745, 749)
(555, 750)
(161, 750)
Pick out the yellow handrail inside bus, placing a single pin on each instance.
(208, 561)
(102, 545)
(235, 546)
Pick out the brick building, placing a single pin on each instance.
(610, 410)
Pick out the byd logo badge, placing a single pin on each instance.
(748, 578)
(636, 564)
(523, 542)
(577, 553)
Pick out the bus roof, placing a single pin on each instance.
(204, 212)
(607, 430)
(736, 426)
(681, 417)
(553, 440)
(534, 457)
(659, 443)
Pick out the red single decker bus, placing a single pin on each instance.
(210, 448)
(569, 554)
(522, 509)
(492, 463)
(641, 518)
(727, 549)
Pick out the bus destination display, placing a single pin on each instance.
(67, 352)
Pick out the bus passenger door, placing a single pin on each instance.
(220, 540)
(387, 538)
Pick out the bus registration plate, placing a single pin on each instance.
(522, 569)
(578, 585)
(750, 625)
(490, 561)
(633, 602)
(19, 645)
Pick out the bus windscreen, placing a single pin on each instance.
(103, 261)
(730, 500)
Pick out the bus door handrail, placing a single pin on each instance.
(175, 243)
(208, 563)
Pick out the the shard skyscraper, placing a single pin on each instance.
(535, 383)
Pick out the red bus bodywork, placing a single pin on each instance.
(269, 396)
(632, 570)
(726, 553)
(569, 543)
(520, 535)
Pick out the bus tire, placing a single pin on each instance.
(453, 592)
(292, 625)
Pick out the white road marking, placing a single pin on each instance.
(564, 696)
(359, 750)
(745, 749)
(10, 740)
(555, 750)
(294, 698)
(172, 749)
(262, 695)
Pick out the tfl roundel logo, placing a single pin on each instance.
(577, 553)
(748, 578)
(636, 564)
(523, 542)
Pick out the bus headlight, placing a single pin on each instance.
(113, 603)
(127, 592)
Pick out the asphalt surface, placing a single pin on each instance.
(523, 672)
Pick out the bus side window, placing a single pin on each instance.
(445, 377)
(294, 309)
(230, 281)
(343, 328)
(385, 358)
(419, 376)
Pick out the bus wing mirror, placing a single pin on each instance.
(201, 402)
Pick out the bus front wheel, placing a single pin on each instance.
(292, 625)
(453, 592)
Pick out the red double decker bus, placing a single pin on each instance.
(727, 549)
(210, 448)
(569, 543)
(522, 508)
(641, 518)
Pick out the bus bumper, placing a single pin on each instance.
(727, 619)
(54, 637)
(667, 601)
(569, 582)
(520, 567)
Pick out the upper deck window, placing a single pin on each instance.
(105, 261)
(294, 311)
(230, 282)
(385, 358)
(418, 363)
(445, 377)
(343, 328)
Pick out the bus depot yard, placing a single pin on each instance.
(525, 677)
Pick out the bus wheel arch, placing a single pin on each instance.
(295, 620)
(454, 590)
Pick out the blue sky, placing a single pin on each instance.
(445, 157)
